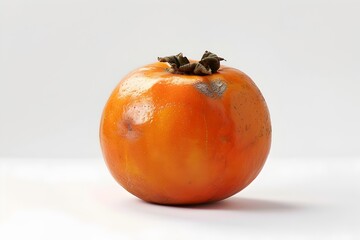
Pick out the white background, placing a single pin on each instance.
(59, 61)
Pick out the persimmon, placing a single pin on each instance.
(185, 132)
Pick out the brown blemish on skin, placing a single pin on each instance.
(127, 130)
(134, 117)
(214, 89)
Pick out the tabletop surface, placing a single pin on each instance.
(78, 199)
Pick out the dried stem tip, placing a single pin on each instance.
(179, 64)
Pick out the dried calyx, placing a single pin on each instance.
(208, 64)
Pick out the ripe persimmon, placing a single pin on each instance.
(184, 132)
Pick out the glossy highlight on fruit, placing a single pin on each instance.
(174, 132)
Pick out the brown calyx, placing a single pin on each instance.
(179, 64)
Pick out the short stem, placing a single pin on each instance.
(179, 64)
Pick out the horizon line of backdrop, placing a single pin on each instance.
(60, 60)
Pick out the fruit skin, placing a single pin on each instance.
(177, 139)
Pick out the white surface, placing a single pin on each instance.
(60, 59)
(70, 199)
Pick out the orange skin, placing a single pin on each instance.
(167, 142)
